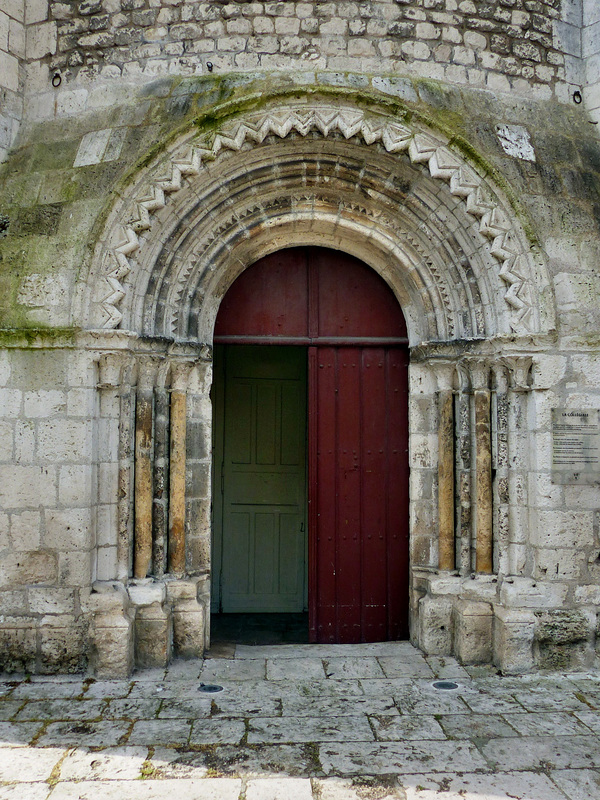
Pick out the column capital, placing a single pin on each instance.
(111, 369)
(445, 374)
(479, 371)
(180, 374)
(519, 369)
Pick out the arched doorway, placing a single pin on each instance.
(311, 443)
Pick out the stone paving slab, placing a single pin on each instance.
(278, 731)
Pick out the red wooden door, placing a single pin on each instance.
(355, 333)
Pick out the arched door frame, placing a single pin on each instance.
(354, 333)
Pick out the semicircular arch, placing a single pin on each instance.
(399, 197)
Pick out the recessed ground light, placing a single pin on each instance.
(210, 688)
(444, 685)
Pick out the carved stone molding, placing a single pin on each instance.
(481, 201)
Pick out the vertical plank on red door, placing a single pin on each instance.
(397, 499)
(374, 491)
(348, 577)
(323, 493)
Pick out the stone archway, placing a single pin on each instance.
(400, 197)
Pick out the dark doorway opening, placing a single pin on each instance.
(346, 321)
(259, 629)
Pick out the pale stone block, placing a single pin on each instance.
(513, 640)
(19, 569)
(517, 592)
(436, 627)
(473, 629)
(106, 527)
(25, 530)
(4, 28)
(9, 72)
(112, 631)
(44, 403)
(10, 402)
(35, 11)
(557, 564)
(50, 600)
(69, 529)
(24, 486)
(92, 148)
(76, 568)
(71, 102)
(190, 628)
(146, 592)
(41, 40)
(107, 563)
(64, 440)
(558, 528)
(444, 584)
(279, 789)
(108, 482)
(588, 595)
(15, 9)
(153, 634)
(75, 485)
(81, 402)
(6, 441)
(5, 368)
(25, 441)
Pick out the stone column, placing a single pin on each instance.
(126, 472)
(160, 508)
(199, 463)
(463, 459)
(110, 369)
(446, 542)
(483, 467)
(500, 464)
(143, 469)
(519, 368)
(177, 469)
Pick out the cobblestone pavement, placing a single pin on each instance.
(297, 722)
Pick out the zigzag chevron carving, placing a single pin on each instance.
(421, 148)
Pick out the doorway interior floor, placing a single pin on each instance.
(258, 629)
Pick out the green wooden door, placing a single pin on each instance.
(263, 478)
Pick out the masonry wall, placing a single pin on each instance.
(12, 53)
(129, 75)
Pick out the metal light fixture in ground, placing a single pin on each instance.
(445, 685)
(210, 688)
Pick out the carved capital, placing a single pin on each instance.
(519, 370)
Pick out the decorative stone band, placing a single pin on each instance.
(495, 224)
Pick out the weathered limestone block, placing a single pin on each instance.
(62, 647)
(436, 625)
(153, 627)
(473, 628)
(564, 638)
(112, 630)
(17, 645)
(480, 587)
(513, 640)
(526, 593)
(189, 600)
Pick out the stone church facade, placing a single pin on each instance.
(154, 150)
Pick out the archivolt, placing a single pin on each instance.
(434, 226)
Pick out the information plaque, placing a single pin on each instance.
(576, 445)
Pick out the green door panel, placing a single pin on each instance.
(261, 416)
